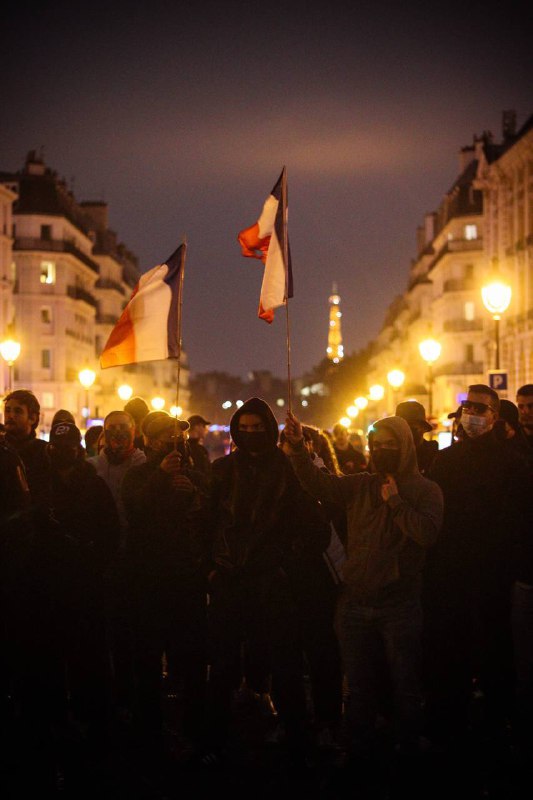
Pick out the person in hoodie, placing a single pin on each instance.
(393, 516)
(258, 511)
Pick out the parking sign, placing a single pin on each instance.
(498, 380)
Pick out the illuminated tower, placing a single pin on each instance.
(335, 349)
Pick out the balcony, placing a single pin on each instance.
(459, 285)
(461, 325)
(459, 368)
(77, 293)
(107, 283)
(54, 246)
(106, 319)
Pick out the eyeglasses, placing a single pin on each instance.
(475, 408)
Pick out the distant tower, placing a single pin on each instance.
(335, 349)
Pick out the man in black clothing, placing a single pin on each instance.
(258, 512)
(469, 573)
(21, 418)
(351, 461)
(524, 401)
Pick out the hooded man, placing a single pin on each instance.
(258, 511)
(393, 515)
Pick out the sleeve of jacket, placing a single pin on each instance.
(321, 485)
(423, 523)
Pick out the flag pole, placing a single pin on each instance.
(286, 262)
(180, 303)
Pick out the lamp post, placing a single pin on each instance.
(158, 403)
(496, 298)
(395, 378)
(430, 351)
(86, 377)
(10, 351)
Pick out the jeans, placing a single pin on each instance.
(382, 642)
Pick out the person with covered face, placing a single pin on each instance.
(469, 574)
(166, 560)
(394, 515)
(258, 512)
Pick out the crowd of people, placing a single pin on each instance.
(373, 600)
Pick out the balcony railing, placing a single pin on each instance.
(459, 285)
(459, 368)
(108, 283)
(459, 325)
(55, 246)
(77, 293)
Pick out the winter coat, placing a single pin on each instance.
(386, 541)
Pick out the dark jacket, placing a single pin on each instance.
(487, 516)
(258, 509)
(386, 541)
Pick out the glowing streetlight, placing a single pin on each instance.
(125, 392)
(87, 377)
(376, 392)
(176, 411)
(496, 298)
(345, 422)
(352, 411)
(10, 351)
(396, 378)
(361, 403)
(430, 351)
(158, 403)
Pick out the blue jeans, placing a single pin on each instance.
(369, 636)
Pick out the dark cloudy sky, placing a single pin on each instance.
(181, 116)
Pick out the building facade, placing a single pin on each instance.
(481, 230)
(68, 279)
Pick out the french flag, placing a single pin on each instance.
(267, 240)
(148, 327)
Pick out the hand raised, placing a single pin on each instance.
(388, 488)
(293, 429)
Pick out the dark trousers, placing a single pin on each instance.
(366, 634)
(261, 614)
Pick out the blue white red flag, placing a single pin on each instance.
(268, 241)
(148, 329)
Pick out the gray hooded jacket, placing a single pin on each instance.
(386, 541)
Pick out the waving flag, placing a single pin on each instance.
(268, 241)
(148, 329)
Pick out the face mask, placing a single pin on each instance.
(473, 425)
(386, 462)
(61, 459)
(253, 441)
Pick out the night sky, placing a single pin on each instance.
(181, 117)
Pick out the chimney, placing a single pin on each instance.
(508, 124)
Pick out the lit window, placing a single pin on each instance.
(48, 272)
(470, 231)
(470, 310)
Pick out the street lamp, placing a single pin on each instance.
(361, 403)
(395, 378)
(125, 392)
(430, 351)
(86, 377)
(176, 411)
(376, 392)
(496, 298)
(10, 351)
(158, 403)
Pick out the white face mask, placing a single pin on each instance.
(473, 425)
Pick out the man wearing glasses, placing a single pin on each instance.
(469, 576)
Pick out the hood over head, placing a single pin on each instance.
(256, 406)
(401, 430)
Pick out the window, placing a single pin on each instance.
(469, 271)
(46, 232)
(470, 310)
(470, 232)
(46, 314)
(469, 353)
(46, 359)
(48, 272)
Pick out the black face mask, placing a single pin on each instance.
(386, 462)
(253, 441)
(62, 459)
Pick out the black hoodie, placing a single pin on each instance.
(258, 507)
